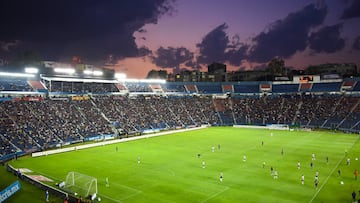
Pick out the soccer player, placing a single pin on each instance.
(47, 195)
(282, 151)
(348, 161)
(317, 174)
(213, 149)
(262, 143)
(263, 165)
(311, 165)
(275, 175)
(203, 164)
(356, 173)
(327, 160)
(271, 170)
(302, 179)
(116, 148)
(339, 172)
(219, 147)
(298, 165)
(107, 182)
(199, 155)
(313, 156)
(353, 194)
(139, 159)
(316, 182)
(221, 176)
(244, 158)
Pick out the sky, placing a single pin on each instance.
(136, 36)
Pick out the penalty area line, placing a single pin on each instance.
(216, 194)
(107, 197)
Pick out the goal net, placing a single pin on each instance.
(81, 184)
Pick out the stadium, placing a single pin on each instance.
(81, 139)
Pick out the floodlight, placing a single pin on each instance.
(31, 70)
(65, 70)
(97, 73)
(88, 72)
(120, 75)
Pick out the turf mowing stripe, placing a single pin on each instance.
(216, 194)
(327, 178)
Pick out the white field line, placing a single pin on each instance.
(107, 197)
(135, 191)
(332, 171)
(216, 194)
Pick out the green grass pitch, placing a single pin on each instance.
(171, 171)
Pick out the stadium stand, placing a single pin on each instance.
(33, 123)
(285, 88)
(326, 87)
(174, 87)
(209, 88)
(246, 87)
(348, 85)
(227, 88)
(190, 88)
(305, 87)
(14, 85)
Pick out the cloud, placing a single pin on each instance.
(327, 39)
(353, 11)
(213, 45)
(90, 29)
(193, 65)
(144, 51)
(172, 57)
(285, 37)
(237, 55)
(356, 44)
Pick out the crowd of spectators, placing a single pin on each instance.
(37, 125)
(138, 87)
(135, 114)
(14, 85)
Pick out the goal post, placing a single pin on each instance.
(81, 184)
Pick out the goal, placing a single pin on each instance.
(81, 184)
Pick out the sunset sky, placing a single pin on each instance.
(139, 35)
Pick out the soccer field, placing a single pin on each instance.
(171, 171)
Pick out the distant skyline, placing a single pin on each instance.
(139, 35)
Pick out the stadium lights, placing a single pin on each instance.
(97, 73)
(31, 70)
(120, 75)
(78, 80)
(88, 72)
(16, 74)
(65, 70)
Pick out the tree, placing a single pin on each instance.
(276, 67)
